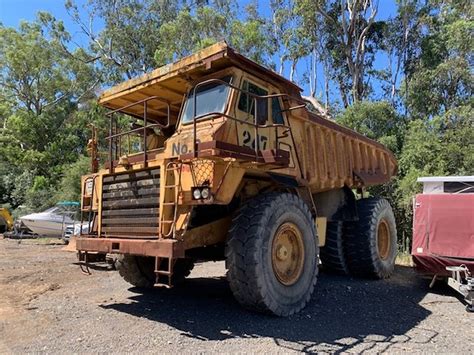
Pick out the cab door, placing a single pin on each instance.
(245, 111)
(278, 116)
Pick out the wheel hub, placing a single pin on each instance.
(383, 240)
(282, 253)
(288, 254)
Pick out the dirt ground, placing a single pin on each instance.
(48, 305)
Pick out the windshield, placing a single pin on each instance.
(209, 98)
(53, 209)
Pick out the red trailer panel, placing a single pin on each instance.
(443, 232)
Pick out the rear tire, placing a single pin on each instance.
(333, 255)
(272, 254)
(140, 270)
(371, 242)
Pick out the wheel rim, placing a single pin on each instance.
(383, 240)
(288, 254)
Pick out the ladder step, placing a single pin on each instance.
(167, 221)
(167, 203)
(171, 186)
(162, 272)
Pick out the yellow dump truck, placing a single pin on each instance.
(6, 220)
(216, 157)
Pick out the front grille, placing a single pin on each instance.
(130, 204)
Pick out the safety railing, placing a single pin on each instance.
(255, 124)
(113, 136)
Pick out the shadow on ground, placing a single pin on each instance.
(343, 313)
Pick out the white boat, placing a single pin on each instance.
(53, 221)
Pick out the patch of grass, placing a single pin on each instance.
(43, 241)
(404, 259)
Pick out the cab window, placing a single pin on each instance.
(247, 102)
(277, 115)
(210, 98)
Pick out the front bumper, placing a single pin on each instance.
(164, 248)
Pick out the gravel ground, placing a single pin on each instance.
(48, 305)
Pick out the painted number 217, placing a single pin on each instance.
(248, 141)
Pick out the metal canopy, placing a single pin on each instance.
(171, 82)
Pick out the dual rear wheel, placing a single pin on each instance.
(364, 248)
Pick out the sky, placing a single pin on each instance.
(12, 12)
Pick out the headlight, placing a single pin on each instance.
(201, 193)
(197, 194)
(205, 193)
(89, 187)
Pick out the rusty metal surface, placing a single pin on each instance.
(321, 152)
(165, 248)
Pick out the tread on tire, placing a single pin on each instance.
(140, 271)
(361, 238)
(333, 254)
(251, 274)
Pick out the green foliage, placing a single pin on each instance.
(70, 184)
(194, 30)
(125, 46)
(15, 184)
(376, 120)
(44, 111)
(436, 90)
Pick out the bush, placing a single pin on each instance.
(70, 184)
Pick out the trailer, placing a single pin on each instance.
(443, 231)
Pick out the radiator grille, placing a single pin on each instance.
(130, 204)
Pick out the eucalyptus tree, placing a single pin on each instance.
(41, 89)
(347, 32)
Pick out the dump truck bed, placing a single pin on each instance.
(334, 156)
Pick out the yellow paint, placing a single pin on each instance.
(321, 224)
(7, 218)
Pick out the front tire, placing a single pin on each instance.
(371, 242)
(272, 254)
(136, 270)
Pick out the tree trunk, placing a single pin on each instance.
(293, 69)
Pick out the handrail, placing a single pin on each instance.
(254, 124)
(132, 131)
(113, 136)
